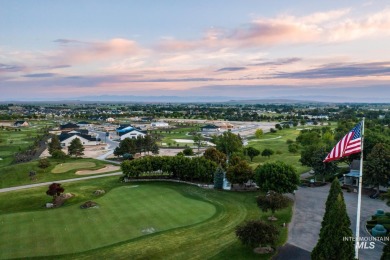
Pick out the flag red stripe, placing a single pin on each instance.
(344, 147)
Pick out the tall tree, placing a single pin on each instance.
(198, 140)
(228, 143)
(54, 145)
(377, 167)
(218, 178)
(76, 148)
(331, 244)
(252, 152)
(277, 176)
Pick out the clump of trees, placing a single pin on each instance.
(228, 143)
(377, 167)
(55, 149)
(176, 167)
(138, 145)
(188, 151)
(216, 156)
(239, 171)
(278, 176)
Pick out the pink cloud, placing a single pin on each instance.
(321, 27)
(96, 51)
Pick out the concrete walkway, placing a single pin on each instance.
(59, 181)
(309, 209)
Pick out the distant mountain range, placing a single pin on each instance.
(201, 99)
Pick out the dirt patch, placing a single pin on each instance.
(92, 151)
(108, 168)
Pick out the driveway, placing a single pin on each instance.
(309, 209)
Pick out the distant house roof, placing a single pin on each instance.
(20, 122)
(69, 126)
(210, 127)
(123, 132)
(123, 127)
(63, 136)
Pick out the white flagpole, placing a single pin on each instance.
(359, 196)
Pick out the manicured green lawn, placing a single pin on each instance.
(64, 167)
(189, 222)
(277, 142)
(18, 174)
(12, 141)
(125, 213)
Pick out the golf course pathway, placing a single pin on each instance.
(62, 181)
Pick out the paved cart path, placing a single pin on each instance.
(59, 181)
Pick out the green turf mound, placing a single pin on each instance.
(64, 167)
(123, 214)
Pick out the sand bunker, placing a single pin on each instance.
(108, 168)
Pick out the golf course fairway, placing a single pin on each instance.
(124, 213)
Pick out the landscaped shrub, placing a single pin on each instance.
(43, 163)
(58, 154)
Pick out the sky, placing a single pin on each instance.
(247, 49)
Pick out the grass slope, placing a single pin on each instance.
(213, 238)
(125, 213)
(65, 167)
(17, 174)
(277, 142)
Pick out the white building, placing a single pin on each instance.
(159, 124)
(133, 134)
(110, 120)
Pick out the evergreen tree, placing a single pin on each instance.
(54, 145)
(218, 178)
(76, 148)
(330, 245)
(386, 252)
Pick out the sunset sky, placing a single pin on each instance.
(244, 49)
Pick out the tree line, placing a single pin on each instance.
(183, 168)
(139, 145)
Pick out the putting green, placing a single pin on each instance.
(124, 213)
(64, 167)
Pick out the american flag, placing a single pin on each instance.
(349, 144)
